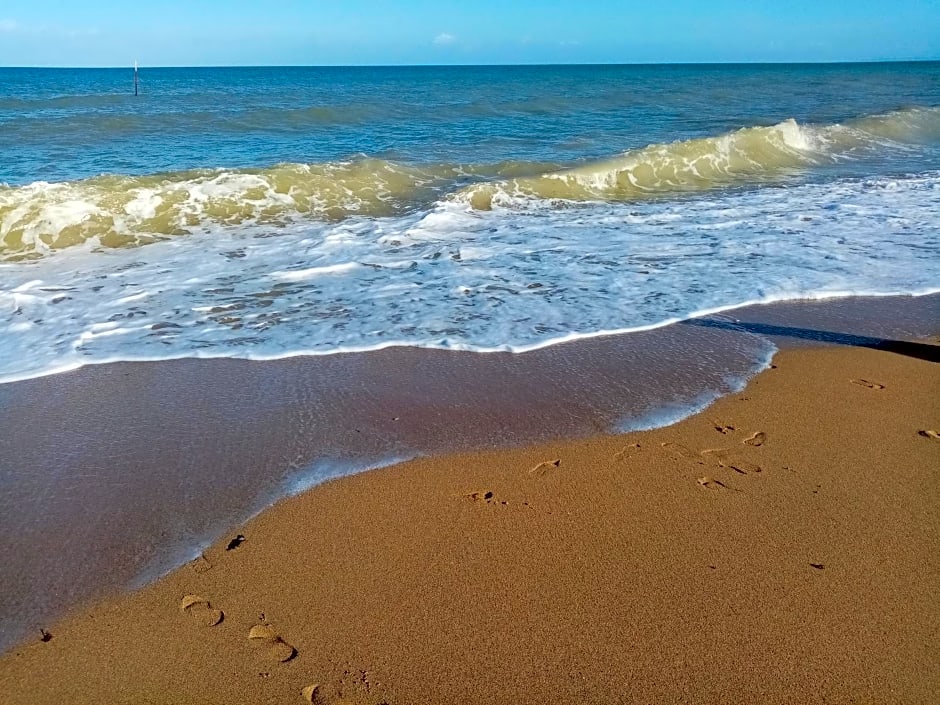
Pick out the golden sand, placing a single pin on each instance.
(783, 546)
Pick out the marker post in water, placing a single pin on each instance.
(135, 77)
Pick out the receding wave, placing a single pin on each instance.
(113, 211)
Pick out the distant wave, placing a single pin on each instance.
(752, 154)
(113, 211)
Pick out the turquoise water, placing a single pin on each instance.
(267, 212)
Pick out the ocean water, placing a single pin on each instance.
(262, 213)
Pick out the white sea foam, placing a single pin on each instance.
(144, 205)
(296, 275)
(511, 279)
(666, 412)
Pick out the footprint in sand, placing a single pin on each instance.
(868, 384)
(723, 429)
(628, 452)
(726, 459)
(929, 433)
(756, 439)
(710, 483)
(201, 611)
(312, 694)
(355, 688)
(316, 695)
(277, 648)
(677, 450)
(545, 466)
(485, 496)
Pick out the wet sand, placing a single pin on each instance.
(782, 546)
(113, 474)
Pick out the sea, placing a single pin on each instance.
(294, 274)
(262, 213)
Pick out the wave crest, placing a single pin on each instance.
(125, 211)
(748, 155)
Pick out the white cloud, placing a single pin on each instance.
(443, 39)
(9, 25)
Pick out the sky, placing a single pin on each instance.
(357, 32)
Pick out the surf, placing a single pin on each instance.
(120, 211)
(751, 155)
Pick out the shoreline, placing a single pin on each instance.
(567, 339)
(647, 567)
(130, 469)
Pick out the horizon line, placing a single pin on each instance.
(493, 65)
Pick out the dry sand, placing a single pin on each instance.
(781, 547)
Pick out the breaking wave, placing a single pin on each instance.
(749, 155)
(113, 211)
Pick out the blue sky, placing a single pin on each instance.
(233, 32)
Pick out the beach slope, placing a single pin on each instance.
(783, 546)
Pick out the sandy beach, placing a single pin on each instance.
(780, 547)
(477, 362)
(115, 474)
